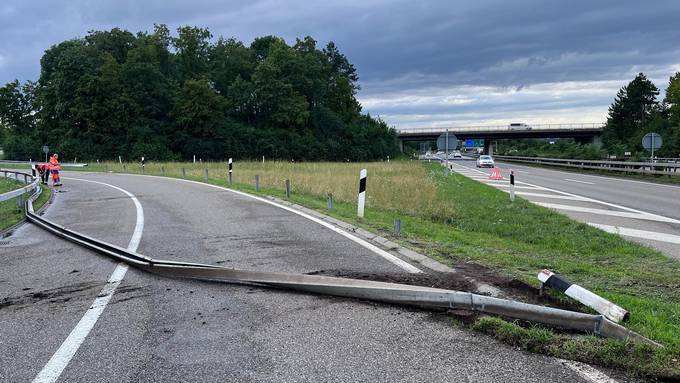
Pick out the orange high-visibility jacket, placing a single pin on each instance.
(54, 164)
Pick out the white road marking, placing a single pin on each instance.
(657, 217)
(625, 214)
(635, 233)
(517, 187)
(391, 258)
(577, 181)
(587, 372)
(56, 365)
(553, 196)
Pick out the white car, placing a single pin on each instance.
(457, 154)
(519, 126)
(485, 161)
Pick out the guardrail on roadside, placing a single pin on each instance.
(31, 163)
(33, 185)
(661, 168)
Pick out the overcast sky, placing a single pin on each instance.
(421, 64)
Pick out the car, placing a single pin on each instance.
(519, 126)
(485, 161)
(457, 154)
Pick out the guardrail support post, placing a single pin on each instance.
(329, 201)
(184, 173)
(287, 188)
(257, 183)
(397, 227)
(205, 175)
(162, 170)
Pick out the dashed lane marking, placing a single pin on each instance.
(580, 182)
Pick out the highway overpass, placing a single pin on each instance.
(582, 132)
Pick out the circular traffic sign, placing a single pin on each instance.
(441, 142)
(46, 149)
(652, 141)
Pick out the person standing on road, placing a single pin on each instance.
(54, 169)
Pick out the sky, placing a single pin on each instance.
(420, 64)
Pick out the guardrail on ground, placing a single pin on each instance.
(661, 168)
(32, 184)
(350, 288)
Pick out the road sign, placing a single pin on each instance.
(652, 141)
(46, 149)
(452, 142)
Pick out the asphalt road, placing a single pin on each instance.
(646, 212)
(172, 330)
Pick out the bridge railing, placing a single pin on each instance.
(506, 128)
(662, 168)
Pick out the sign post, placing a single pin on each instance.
(45, 149)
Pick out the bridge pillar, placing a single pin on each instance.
(488, 147)
(401, 146)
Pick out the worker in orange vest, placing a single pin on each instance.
(54, 169)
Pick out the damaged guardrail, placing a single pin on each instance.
(351, 288)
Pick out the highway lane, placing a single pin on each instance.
(169, 330)
(645, 212)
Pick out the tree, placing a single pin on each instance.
(193, 48)
(631, 110)
(17, 120)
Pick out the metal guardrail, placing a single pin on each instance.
(660, 168)
(31, 163)
(33, 185)
(506, 128)
(350, 288)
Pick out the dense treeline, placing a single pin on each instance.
(171, 97)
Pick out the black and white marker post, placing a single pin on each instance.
(230, 170)
(588, 298)
(512, 185)
(142, 165)
(362, 193)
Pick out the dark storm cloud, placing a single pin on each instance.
(439, 59)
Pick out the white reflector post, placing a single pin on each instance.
(362, 193)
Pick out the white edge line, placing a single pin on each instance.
(587, 372)
(61, 358)
(391, 258)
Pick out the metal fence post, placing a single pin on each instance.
(205, 175)
(162, 170)
(397, 226)
(287, 188)
(184, 173)
(329, 201)
(257, 183)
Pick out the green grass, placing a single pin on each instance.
(10, 212)
(466, 221)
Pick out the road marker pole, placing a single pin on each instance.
(230, 170)
(608, 309)
(512, 185)
(120, 160)
(142, 165)
(362, 193)
(194, 158)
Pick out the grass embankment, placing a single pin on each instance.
(456, 220)
(10, 212)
